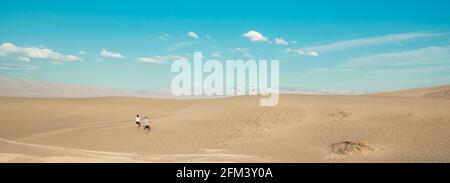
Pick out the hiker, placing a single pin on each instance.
(138, 121)
(146, 125)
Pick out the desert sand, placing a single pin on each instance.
(389, 127)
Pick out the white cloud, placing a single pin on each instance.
(36, 52)
(23, 59)
(216, 54)
(81, 53)
(303, 52)
(245, 52)
(6, 48)
(164, 37)
(281, 41)
(242, 50)
(106, 53)
(17, 68)
(308, 53)
(69, 58)
(180, 45)
(294, 42)
(192, 35)
(389, 71)
(417, 57)
(39, 52)
(98, 60)
(255, 36)
(364, 42)
(161, 59)
(55, 63)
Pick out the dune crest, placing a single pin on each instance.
(437, 92)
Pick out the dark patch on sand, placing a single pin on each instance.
(351, 148)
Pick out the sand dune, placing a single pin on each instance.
(301, 128)
(437, 92)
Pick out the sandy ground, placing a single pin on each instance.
(301, 128)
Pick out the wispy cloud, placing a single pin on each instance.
(23, 59)
(418, 59)
(303, 52)
(281, 41)
(108, 54)
(421, 56)
(160, 59)
(244, 51)
(255, 36)
(164, 37)
(308, 53)
(55, 63)
(98, 60)
(17, 68)
(363, 42)
(390, 70)
(216, 54)
(35, 53)
(180, 45)
(192, 35)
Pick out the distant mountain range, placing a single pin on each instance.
(32, 88)
(15, 87)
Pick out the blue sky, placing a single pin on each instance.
(328, 45)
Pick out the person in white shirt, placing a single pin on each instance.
(146, 125)
(138, 121)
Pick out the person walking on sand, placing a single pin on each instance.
(138, 121)
(146, 125)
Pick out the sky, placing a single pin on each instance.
(354, 46)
